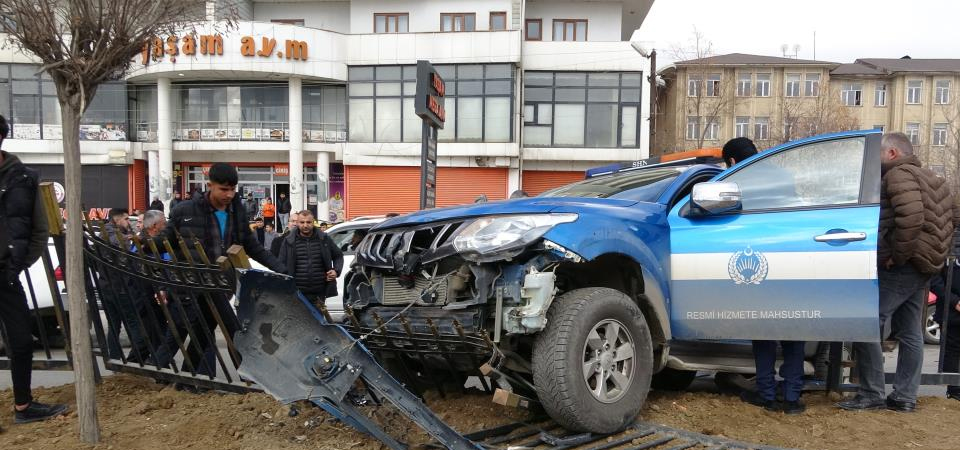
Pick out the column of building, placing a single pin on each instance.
(295, 116)
(164, 170)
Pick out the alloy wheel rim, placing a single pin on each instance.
(609, 361)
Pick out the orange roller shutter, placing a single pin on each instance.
(375, 190)
(535, 182)
(137, 185)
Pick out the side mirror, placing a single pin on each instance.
(716, 197)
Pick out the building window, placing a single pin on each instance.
(713, 85)
(579, 109)
(693, 85)
(851, 94)
(743, 126)
(792, 88)
(478, 103)
(297, 22)
(324, 113)
(761, 127)
(939, 134)
(693, 128)
(569, 29)
(391, 23)
(763, 85)
(711, 131)
(943, 92)
(811, 86)
(914, 87)
(880, 94)
(498, 20)
(214, 112)
(458, 22)
(534, 29)
(744, 81)
(913, 132)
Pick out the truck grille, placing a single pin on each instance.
(395, 294)
(378, 248)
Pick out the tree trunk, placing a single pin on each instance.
(79, 318)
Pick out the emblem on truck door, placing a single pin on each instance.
(747, 267)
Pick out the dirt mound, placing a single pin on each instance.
(136, 413)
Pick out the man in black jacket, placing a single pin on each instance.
(18, 193)
(218, 219)
(312, 259)
(283, 211)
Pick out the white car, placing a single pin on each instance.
(342, 234)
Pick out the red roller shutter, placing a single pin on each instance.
(137, 185)
(535, 182)
(375, 190)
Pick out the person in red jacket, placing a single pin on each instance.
(269, 211)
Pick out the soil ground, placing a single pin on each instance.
(136, 413)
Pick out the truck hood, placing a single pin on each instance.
(536, 205)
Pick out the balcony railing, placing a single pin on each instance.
(217, 131)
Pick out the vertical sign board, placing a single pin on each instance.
(428, 104)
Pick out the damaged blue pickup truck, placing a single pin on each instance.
(648, 272)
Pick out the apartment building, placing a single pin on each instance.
(705, 102)
(315, 99)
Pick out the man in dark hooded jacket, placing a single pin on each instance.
(18, 194)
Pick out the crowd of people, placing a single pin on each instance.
(918, 218)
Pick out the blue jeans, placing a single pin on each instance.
(901, 300)
(765, 358)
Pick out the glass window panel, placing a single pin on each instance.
(51, 111)
(498, 22)
(628, 128)
(820, 174)
(536, 135)
(380, 24)
(529, 113)
(26, 87)
(538, 79)
(447, 23)
(498, 87)
(571, 79)
(568, 31)
(471, 22)
(388, 120)
(402, 28)
(448, 72)
(26, 109)
(497, 119)
(581, 31)
(533, 30)
(603, 95)
(334, 108)
(24, 71)
(4, 71)
(544, 114)
(410, 88)
(632, 79)
(5, 98)
(389, 73)
(409, 72)
(448, 132)
(361, 120)
(412, 123)
(570, 95)
(469, 88)
(604, 79)
(388, 89)
(470, 119)
(109, 105)
(630, 95)
(451, 87)
(557, 31)
(602, 126)
(471, 72)
(48, 88)
(361, 73)
(361, 89)
(499, 71)
(568, 125)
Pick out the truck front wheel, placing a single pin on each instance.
(592, 363)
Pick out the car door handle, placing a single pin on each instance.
(846, 237)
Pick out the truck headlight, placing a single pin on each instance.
(498, 233)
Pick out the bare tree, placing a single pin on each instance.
(707, 93)
(951, 150)
(82, 44)
(802, 117)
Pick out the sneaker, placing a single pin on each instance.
(37, 411)
(794, 407)
(954, 395)
(754, 398)
(901, 405)
(861, 403)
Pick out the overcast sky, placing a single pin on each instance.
(845, 29)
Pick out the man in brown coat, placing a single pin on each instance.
(917, 216)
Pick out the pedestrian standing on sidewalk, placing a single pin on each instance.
(283, 211)
(312, 259)
(24, 236)
(252, 207)
(269, 211)
(268, 236)
(156, 204)
(765, 352)
(916, 232)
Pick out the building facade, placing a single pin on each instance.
(705, 102)
(315, 99)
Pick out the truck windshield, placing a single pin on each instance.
(640, 185)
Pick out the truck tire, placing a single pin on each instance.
(673, 379)
(599, 384)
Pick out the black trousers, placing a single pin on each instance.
(951, 355)
(15, 318)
